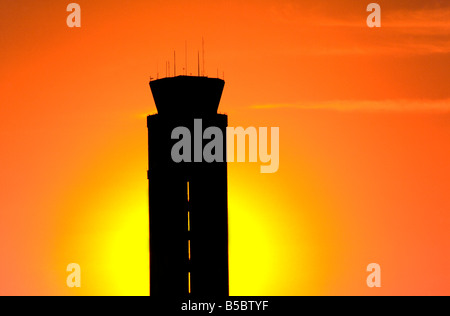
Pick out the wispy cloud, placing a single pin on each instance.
(438, 19)
(367, 105)
(404, 29)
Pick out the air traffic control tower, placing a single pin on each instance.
(188, 200)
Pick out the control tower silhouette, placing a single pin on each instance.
(188, 201)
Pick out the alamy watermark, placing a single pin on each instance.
(212, 151)
(74, 18)
(374, 278)
(74, 278)
(374, 18)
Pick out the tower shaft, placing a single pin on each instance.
(188, 200)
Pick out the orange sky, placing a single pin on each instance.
(364, 131)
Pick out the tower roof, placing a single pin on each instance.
(187, 95)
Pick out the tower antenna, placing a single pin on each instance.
(174, 64)
(198, 61)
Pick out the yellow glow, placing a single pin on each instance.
(126, 254)
(114, 233)
(251, 249)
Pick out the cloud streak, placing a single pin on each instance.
(404, 30)
(367, 105)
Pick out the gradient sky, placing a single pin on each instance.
(364, 117)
